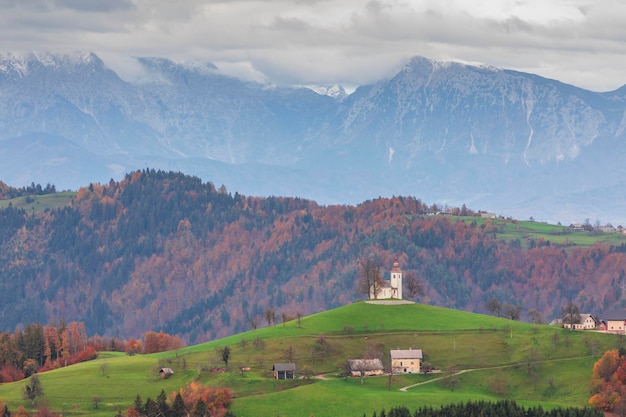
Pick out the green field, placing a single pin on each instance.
(38, 203)
(503, 359)
(527, 231)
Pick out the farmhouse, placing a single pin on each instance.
(615, 321)
(165, 373)
(406, 361)
(284, 370)
(365, 367)
(587, 322)
(391, 288)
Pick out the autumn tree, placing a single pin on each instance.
(370, 277)
(608, 383)
(216, 400)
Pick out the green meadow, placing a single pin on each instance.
(39, 203)
(499, 359)
(526, 231)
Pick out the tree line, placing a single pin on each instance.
(488, 409)
(39, 348)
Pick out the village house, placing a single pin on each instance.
(406, 361)
(587, 322)
(284, 370)
(615, 321)
(391, 288)
(365, 367)
(576, 227)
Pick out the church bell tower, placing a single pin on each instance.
(396, 280)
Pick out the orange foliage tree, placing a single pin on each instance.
(608, 383)
(160, 342)
(217, 400)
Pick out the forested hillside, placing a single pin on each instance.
(164, 251)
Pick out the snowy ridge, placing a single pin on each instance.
(441, 131)
(335, 90)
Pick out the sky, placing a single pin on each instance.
(324, 42)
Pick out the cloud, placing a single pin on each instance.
(334, 41)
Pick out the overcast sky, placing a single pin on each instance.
(350, 42)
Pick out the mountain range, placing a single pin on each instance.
(503, 141)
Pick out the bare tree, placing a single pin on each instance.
(570, 315)
(414, 287)
(253, 323)
(370, 277)
(511, 312)
(493, 306)
(298, 317)
(536, 317)
(290, 354)
(284, 318)
(270, 316)
(451, 379)
(96, 400)
(103, 367)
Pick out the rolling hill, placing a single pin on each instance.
(165, 251)
(502, 359)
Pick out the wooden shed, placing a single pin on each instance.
(284, 370)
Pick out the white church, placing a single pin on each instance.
(391, 288)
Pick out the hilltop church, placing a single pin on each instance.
(391, 288)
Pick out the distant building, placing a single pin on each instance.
(391, 288)
(606, 229)
(615, 321)
(406, 361)
(284, 370)
(365, 367)
(587, 322)
(165, 373)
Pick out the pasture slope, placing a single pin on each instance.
(531, 364)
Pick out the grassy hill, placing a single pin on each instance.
(532, 364)
(526, 231)
(38, 203)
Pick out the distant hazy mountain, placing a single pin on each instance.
(503, 141)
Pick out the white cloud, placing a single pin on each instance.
(334, 41)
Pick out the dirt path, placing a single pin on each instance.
(404, 389)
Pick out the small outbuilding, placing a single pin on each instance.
(365, 367)
(284, 370)
(165, 373)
